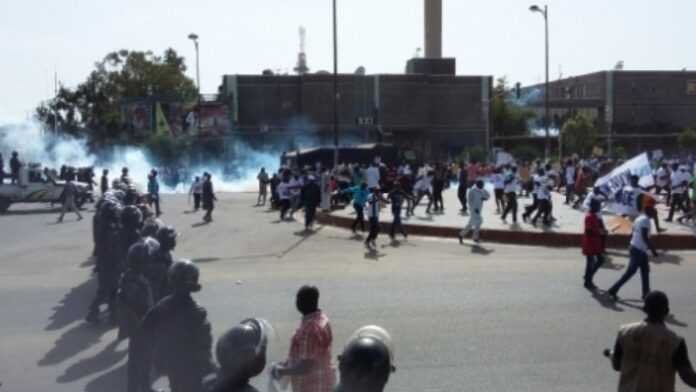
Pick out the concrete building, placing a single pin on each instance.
(435, 116)
(637, 110)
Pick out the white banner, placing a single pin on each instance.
(613, 183)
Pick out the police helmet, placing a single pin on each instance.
(183, 276)
(131, 217)
(141, 253)
(150, 228)
(166, 236)
(368, 357)
(241, 351)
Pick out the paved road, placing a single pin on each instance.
(504, 318)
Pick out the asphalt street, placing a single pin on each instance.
(495, 318)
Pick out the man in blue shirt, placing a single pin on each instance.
(359, 194)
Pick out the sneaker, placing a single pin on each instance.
(612, 296)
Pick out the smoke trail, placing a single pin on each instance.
(53, 151)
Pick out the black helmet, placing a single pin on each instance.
(167, 237)
(110, 210)
(183, 276)
(131, 196)
(241, 351)
(367, 358)
(150, 228)
(131, 217)
(142, 252)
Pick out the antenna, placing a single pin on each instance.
(303, 38)
(301, 67)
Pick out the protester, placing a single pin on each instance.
(679, 185)
(263, 187)
(593, 244)
(396, 198)
(2, 169)
(373, 208)
(510, 183)
(463, 186)
(360, 194)
(640, 244)
(498, 181)
(648, 354)
(15, 165)
(104, 185)
(309, 361)
(476, 197)
(69, 194)
(284, 196)
(196, 190)
(570, 177)
(208, 198)
(153, 192)
(310, 196)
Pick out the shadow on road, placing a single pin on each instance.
(73, 306)
(205, 260)
(35, 211)
(72, 342)
(200, 224)
(98, 363)
(603, 299)
(374, 255)
(111, 381)
(669, 258)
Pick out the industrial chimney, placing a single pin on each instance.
(433, 29)
(433, 63)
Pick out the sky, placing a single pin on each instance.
(490, 37)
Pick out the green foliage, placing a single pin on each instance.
(526, 152)
(93, 108)
(687, 140)
(508, 119)
(579, 135)
(476, 153)
(620, 153)
(167, 148)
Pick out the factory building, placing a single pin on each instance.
(637, 110)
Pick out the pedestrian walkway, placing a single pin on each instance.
(565, 231)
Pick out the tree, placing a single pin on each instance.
(508, 119)
(93, 108)
(579, 135)
(687, 140)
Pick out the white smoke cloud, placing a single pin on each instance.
(53, 151)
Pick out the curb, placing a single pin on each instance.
(552, 239)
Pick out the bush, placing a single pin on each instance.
(526, 152)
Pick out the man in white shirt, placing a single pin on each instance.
(543, 196)
(284, 195)
(511, 185)
(662, 176)
(640, 244)
(570, 181)
(424, 187)
(476, 197)
(498, 181)
(372, 176)
(680, 188)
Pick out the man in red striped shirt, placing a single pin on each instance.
(309, 361)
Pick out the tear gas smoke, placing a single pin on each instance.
(54, 151)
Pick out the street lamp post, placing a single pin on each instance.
(335, 85)
(545, 12)
(194, 37)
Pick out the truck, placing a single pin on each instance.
(39, 186)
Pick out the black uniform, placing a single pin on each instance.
(311, 197)
(179, 332)
(208, 199)
(108, 266)
(14, 168)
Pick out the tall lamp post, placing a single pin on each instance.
(545, 12)
(194, 37)
(335, 85)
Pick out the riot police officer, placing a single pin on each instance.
(241, 354)
(131, 220)
(135, 299)
(163, 260)
(107, 259)
(367, 361)
(178, 330)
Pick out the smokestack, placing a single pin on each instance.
(433, 29)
